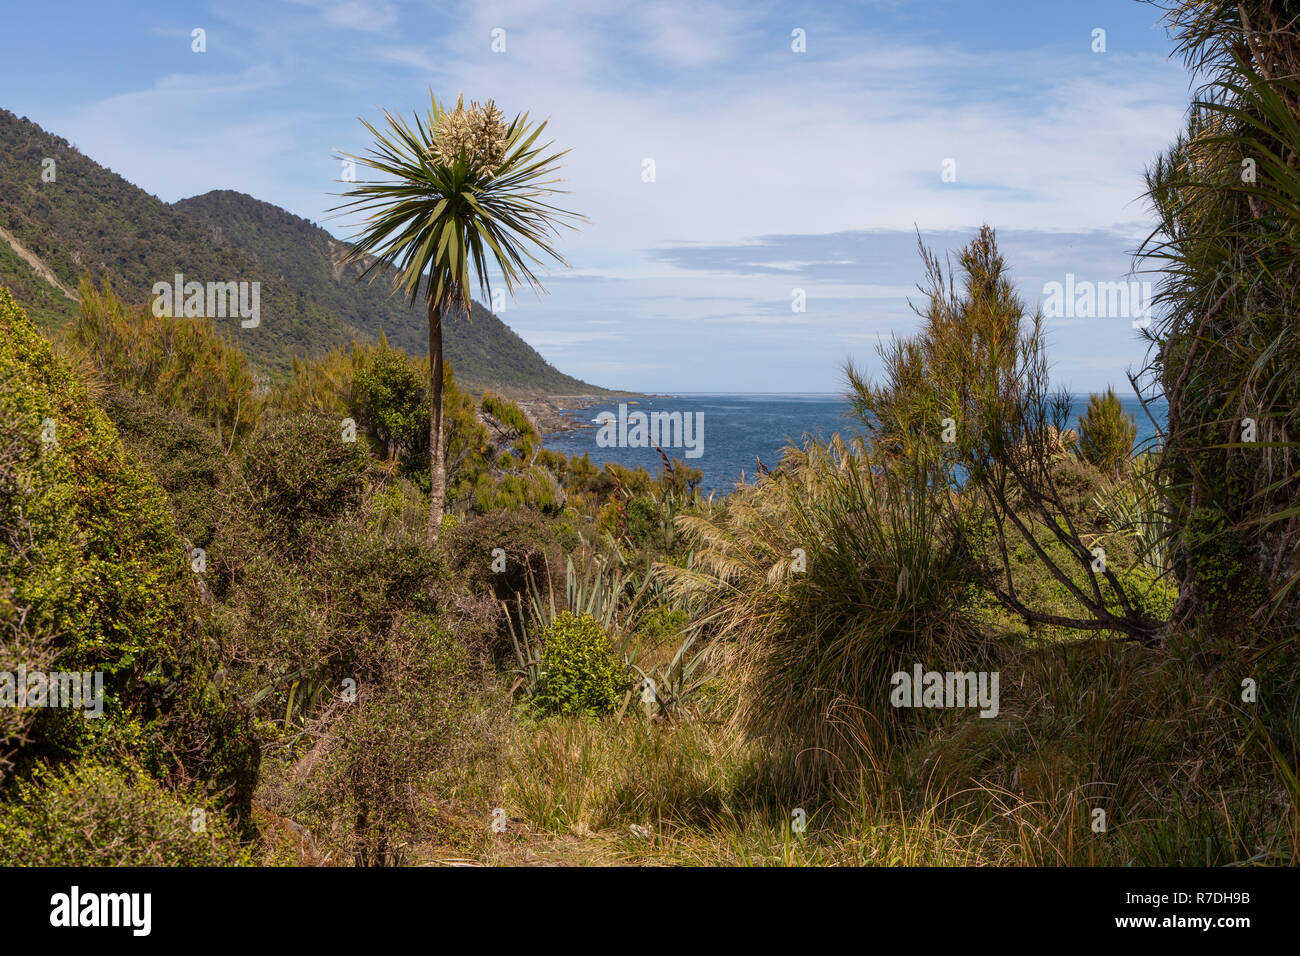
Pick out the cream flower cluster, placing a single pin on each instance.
(478, 132)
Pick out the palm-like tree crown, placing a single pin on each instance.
(458, 184)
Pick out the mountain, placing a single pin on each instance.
(62, 220)
(483, 350)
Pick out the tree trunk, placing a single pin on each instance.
(437, 467)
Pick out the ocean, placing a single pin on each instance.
(739, 430)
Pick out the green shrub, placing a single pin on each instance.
(1106, 433)
(295, 629)
(104, 572)
(580, 672)
(517, 487)
(467, 447)
(1222, 568)
(529, 542)
(182, 453)
(414, 733)
(1076, 485)
(640, 520)
(662, 625)
(182, 362)
(391, 401)
(512, 425)
(302, 473)
(94, 814)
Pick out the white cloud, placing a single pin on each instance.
(750, 142)
(370, 16)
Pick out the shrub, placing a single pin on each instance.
(530, 543)
(183, 362)
(386, 391)
(182, 454)
(662, 625)
(580, 673)
(1077, 484)
(639, 520)
(104, 571)
(296, 628)
(1106, 433)
(1221, 569)
(321, 384)
(968, 401)
(516, 487)
(93, 814)
(302, 473)
(467, 447)
(391, 400)
(413, 730)
(18, 644)
(513, 427)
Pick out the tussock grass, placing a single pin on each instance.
(1156, 738)
(823, 581)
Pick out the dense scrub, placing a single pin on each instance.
(599, 665)
(682, 673)
(96, 571)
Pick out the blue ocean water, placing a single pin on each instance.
(740, 430)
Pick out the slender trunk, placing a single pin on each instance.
(437, 467)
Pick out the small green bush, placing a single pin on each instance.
(662, 625)
(302, 473)
(94, 814)
(1106, 433)
(391, 401)
(517, 487)
(580, 673)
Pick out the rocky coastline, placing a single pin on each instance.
(554, 414)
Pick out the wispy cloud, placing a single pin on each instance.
(369, 16)
(772, 169)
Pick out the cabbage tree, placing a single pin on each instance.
(457, 193)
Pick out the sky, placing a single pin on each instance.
(798, 150)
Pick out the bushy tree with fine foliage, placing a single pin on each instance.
(971, 392)
(1106, 433)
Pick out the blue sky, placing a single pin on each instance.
(774, 170)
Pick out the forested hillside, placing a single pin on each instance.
(485, 352)
(77, 217)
